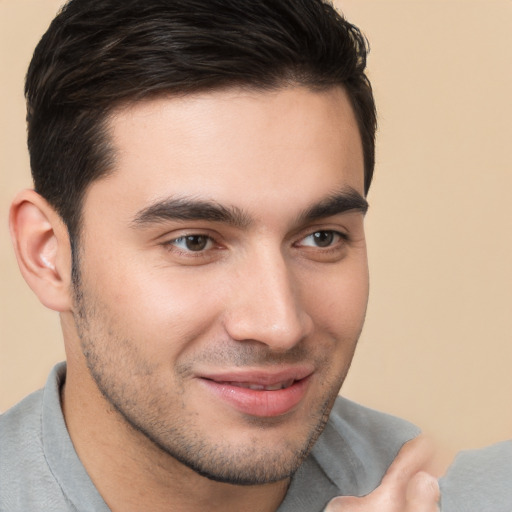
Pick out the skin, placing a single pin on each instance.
(406, 487)
(271, 283)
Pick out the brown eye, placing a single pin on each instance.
(324, 245)
(196, 242)
(192, 243)
(323, 238)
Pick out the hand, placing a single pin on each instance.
(406, 487)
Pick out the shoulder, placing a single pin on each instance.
(27, 482)
(20, 429)
(359, 444)
(479, 480)
(22, 456)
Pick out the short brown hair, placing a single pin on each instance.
(97, 54)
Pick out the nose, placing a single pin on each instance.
(266, 304)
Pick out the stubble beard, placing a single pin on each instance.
(106, 357)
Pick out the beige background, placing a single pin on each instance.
(437, 347)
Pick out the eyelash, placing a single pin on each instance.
(333, 242)
(209, 241)
(170, 245)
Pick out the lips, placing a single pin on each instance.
(262, 387)
(259, 393)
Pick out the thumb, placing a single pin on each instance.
(405, 487)
(347, 504)
(414, 456)
(423, 493)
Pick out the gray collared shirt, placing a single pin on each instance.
(40, 470)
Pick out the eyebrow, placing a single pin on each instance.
(189, 208)
(341, 202)
(185, 208)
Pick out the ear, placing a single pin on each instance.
(42, 247)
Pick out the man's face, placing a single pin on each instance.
(223, 274)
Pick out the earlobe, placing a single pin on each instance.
(42, 248)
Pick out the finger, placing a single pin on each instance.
(347, 504)
(422, 493)
(394, 493)
(412, 458)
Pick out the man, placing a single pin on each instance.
(200, 173)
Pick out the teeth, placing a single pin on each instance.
(261, 387)
(256, 387)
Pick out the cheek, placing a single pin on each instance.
(161, 310)
(337, 301)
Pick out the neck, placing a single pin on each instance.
(130, 472)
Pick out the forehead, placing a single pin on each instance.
(235, 147)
